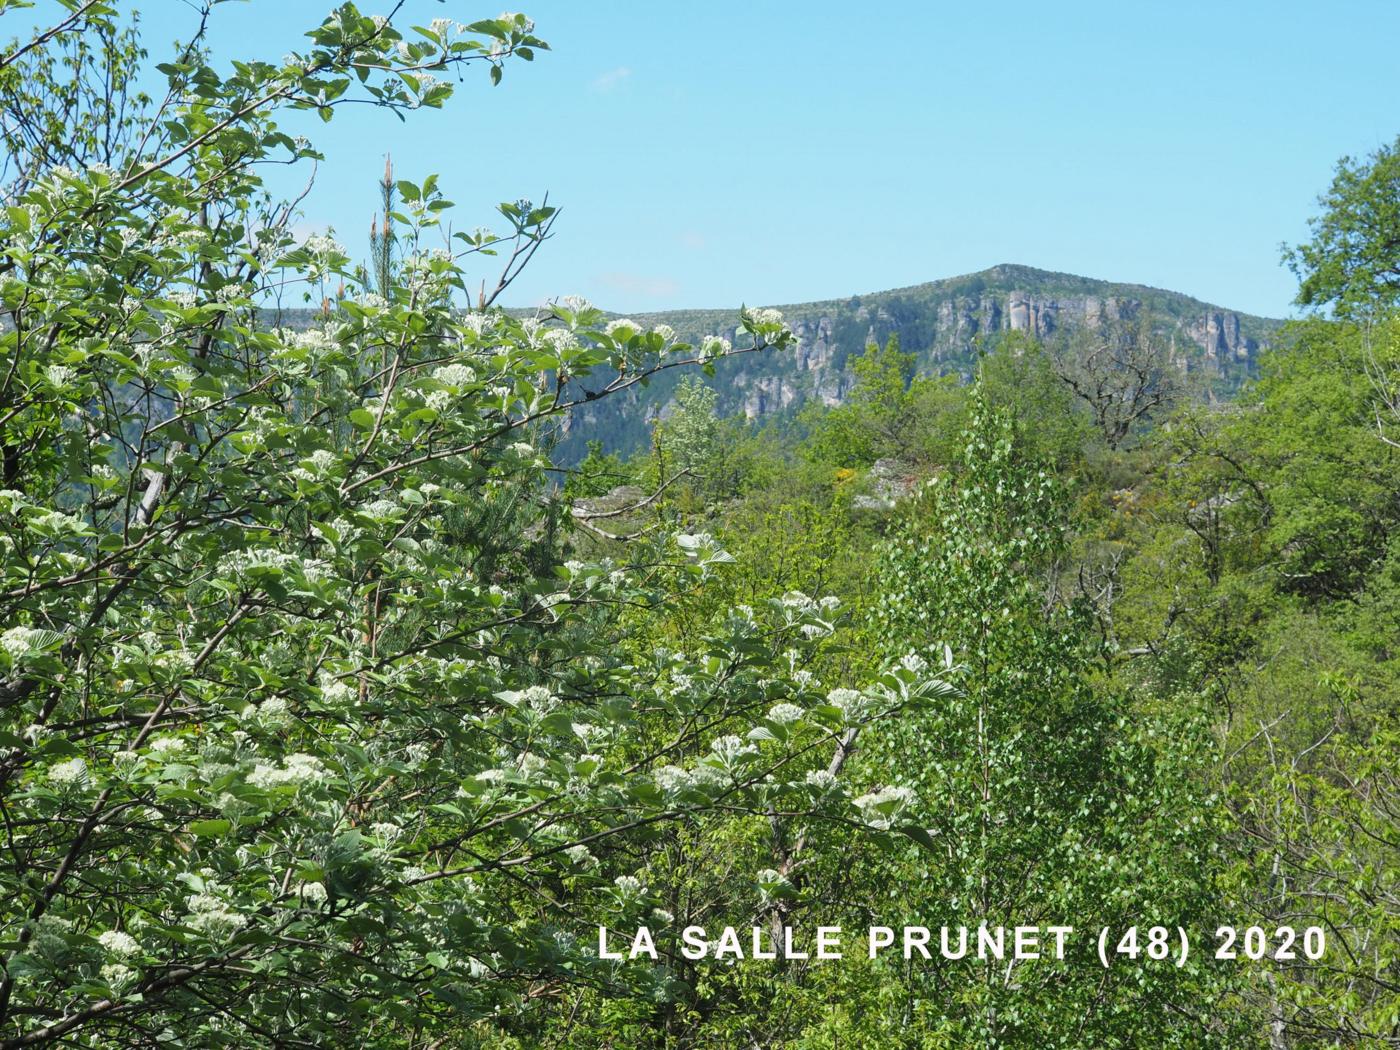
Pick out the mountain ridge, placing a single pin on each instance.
(945, 323)
(1022, 271)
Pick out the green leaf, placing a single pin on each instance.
(919, 835)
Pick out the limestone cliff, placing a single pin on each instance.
(944, 323)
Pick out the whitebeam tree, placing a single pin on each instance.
(309, 734)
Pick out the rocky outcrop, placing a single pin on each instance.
(946, 324)
(1218, 334)
(819, 354)
(766, 394)
(1212, 340)
(890, 481)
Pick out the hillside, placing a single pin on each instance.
(944, 322)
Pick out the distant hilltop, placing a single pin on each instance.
(942, 322)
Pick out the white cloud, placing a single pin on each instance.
(609, 80)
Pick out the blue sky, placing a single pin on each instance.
(706, 154)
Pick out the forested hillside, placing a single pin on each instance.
(339, 706)
(945, 324)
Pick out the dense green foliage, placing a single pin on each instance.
(334, 710)
(312, 730)
(946, 325)
(1350, 264)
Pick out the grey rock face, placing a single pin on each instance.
(890, 482)
(945, 324)
(1212, 339)
(1218, 334)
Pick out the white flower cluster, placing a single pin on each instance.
(323, 244)
(74, 771)
(914, 663)
(239, 563)
(209, 914)
(765, 316)
(174, 660)
(479, 323)
(119, 977)
(673, 779)
(798, 606)
(713, 346)
(850, 702)
(335, 690)
(540, 699)
(323, 461)
(312, 892)
(233, 291)
(298, 770)
(559, 339)
(317, 340)
(586, 732)
(272, 712)
(882, 807)
(785, 714)
(455, 375)
(799, 602)
(579, 856)
(381, 508)
(529, 765)
(623, 328)
(122, 945)
(731, 750)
